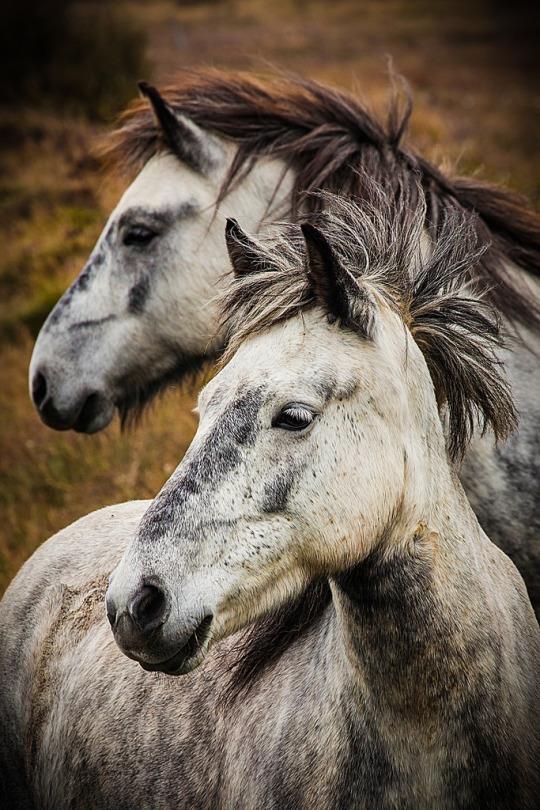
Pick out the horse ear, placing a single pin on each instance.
(333, 286)
(182, 135)
(242, 249)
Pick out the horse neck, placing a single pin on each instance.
(407, 616)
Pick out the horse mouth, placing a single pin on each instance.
(189, 656)
(95, 414)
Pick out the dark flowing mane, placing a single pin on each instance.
(332, 142)
(378, 245)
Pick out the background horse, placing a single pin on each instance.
(393, 654)
(143, 311)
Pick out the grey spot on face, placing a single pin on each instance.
(99, 257)
(138, 296)
(82, 282)
(276, 491)
(325, 386)
(109, 235)
(328, 388)
(158, 220)
(79, 285)
(347, 390)
(215, 400)
(214, 460)
(92, 323)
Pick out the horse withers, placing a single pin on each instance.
(346, 633)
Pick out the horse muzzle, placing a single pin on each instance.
(85, 412)
(145, 630)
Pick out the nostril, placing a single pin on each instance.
(147, 608)
(111, 610)
(111, 615)
(39, 389)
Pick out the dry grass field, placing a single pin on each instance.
(473, 68)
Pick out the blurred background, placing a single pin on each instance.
(69, 68)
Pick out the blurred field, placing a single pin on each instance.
(473, 68)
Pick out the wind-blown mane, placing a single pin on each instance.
(333, 142)
(379, 245)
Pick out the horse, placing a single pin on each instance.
(143, 312)
(344, 630)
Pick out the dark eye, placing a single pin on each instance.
(138, 235)
(294, 417)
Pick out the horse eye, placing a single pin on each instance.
(138, 235)
(294, 417)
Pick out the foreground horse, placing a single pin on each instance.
(393, 656)
(143, 311)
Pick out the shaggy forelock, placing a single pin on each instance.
(379, 244)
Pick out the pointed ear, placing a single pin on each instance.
(243, 253)
(334, 288)
(182, 135)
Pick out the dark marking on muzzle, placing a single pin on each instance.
(93, 322)
(215, 459)
(79, 285)
(138, 295)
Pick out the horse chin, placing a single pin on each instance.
(95, 415)
(136, 395)
(189, 657)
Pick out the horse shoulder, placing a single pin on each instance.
(67, 575)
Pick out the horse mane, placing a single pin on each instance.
(379, 244)
(333, 142)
